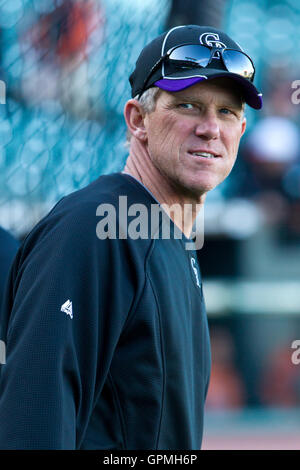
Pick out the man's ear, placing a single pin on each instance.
(134, 116)
(244, 122)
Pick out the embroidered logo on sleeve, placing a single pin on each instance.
(67, 308)
(2, 352)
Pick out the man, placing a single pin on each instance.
(106, 331)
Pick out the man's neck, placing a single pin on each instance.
(181, 207)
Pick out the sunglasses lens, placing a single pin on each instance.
(239, 63)
(194, 54)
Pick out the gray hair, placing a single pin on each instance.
(148, 102)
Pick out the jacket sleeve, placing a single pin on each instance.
(67, 301)
(8, 249)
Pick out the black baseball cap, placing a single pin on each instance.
(174, 78)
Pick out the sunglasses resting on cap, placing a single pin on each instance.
(188, 54)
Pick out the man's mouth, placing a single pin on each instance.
(204, 155)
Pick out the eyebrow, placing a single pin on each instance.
(237, 104)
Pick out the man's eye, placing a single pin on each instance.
(186, 105)
(225, 111)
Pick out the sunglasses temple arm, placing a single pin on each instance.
(154, 68)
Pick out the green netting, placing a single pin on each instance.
(66, 66)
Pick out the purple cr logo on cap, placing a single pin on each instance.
(214, 42)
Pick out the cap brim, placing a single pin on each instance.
(181, 80)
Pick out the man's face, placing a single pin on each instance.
(205, 118)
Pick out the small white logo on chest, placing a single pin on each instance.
(193, 263)
(67, 308)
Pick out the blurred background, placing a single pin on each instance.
(64, 67)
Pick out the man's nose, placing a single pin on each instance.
(208, 128)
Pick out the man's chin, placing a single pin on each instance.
(192, 186)
(199, 188)
(193, 190)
